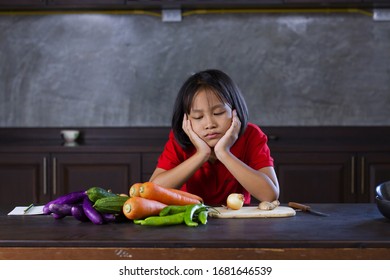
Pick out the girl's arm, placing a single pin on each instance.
(262, 184)
(176, 177)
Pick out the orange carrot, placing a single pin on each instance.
(134, 189)
(153, 191)
(139, 208)
(190, 195)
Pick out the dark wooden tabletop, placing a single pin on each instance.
(347, 226)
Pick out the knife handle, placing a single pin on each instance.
(299, 206)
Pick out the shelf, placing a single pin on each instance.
(107, 5)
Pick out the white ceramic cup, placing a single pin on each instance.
(70, 136)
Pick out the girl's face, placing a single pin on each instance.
(210, 117)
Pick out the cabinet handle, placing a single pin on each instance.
(353, 175)
(362, 176)
(45, 176)
(54, 176)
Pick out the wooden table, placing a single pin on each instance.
(352, 231)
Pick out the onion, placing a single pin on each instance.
(235, 201)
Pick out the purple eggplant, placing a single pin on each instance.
(78, 213)
(108, 217)
(61, 209)
(46, 209)
(70, 198)
(93, 215)
(57, 216)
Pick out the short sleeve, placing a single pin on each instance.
(258, 154)
(172, 154)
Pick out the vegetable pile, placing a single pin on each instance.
(149, 204)
(96, 205)
(153, 205)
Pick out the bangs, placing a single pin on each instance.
(209, 90)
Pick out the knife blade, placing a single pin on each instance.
(306, 208)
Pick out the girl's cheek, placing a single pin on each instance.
(195, 127)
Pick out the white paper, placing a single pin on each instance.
(20, 210)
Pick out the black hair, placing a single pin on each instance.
(214, 81)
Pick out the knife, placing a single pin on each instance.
(306, 208)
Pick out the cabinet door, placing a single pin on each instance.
(74, 172)
(315, 177)
(23, 179)
(149, 163)
(374, 168)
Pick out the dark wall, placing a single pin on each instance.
(125, 70)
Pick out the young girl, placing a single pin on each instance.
(212, 150)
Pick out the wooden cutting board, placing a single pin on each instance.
(252, 212)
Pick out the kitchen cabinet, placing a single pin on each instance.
(319, 177)
(372, 170)
(331, 177)
(330, 164)
(23, 178)
(79, 171)
(314, 177)
(39, 177)
(149, 163)
(313, 164)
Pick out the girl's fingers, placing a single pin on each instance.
(235, 116)
(236, 124)
(236, 120)
(187, 127)
(231, 134)
(194, 138)
(185, 124)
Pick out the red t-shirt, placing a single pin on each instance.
(213, 182)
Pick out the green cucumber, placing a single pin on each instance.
(96, 193)
(113, 204)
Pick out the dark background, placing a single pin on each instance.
(118, 70)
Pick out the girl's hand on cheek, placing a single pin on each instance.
(230, 137)
(200, 145)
